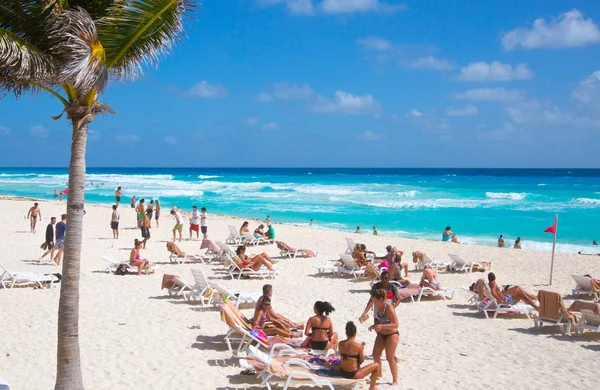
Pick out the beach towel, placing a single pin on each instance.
(409, 291)
(232, 316)
(583, 305)
(595, 285)
(282, 246)
(174, 249)
(551, 306)
(480, 288)
(418, 255)
(167, 281)
(211, 246)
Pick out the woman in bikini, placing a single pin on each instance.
(510, 295)
(135, 258)
(386, 326)
(319, 328)
(244, 228)
(429, 278)
(359, 256)
(269, 324)
(256, 261)
(352, 354)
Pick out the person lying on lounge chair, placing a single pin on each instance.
(352, 355)
(256, 261)
(174, 249)
(510, 295)
(269, 324)
(267, 290)
(285, 247)
(210, 246)
(429, 278)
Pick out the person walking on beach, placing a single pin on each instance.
(132, 203)
(141, 213)
(178, 224)
(55, 193)
(145, 230)
(60, 195)
(156, 211)
(195, 222)
(114, 222)
(61, 229)
(33, 215)
(49, 243)
(375, 232)
(203, 225)
(517, 243)
(118, 194)
(501, 243)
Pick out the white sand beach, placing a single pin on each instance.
(135, 336)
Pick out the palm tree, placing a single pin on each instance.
(73, 49)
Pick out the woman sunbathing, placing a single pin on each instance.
(386, 326)
(135, 258)
(429, 278)
(254, 262)
(352, 354)
(269, 324)
(285, 247)
(510, 295)
(319, 328)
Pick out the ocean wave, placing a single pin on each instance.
(407, 194)
(587, 201)
(208, 177)
(542, 184)
(418, 204)
(506, 195)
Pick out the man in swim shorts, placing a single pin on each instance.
(118, 194)
(61, 229)
(32, 216)
(178, 224)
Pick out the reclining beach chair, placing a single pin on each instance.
(250, 239)
(114, 264)
(234, 237)
(351, 245)
(201, 291)
(327, 266)
(554, 313)
(240, 328)
(584, 287)
(590, 316)
(459, 264)
(10, 279)
(179, 257)
(287, 251)
(349, 267)
(212, 250)
(175, 285)
(445, 293)
(235, 296)
(489, 305)
(297, 372)
(237, 268)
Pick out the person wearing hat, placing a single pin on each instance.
(270, 231)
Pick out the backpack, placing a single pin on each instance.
(121, 270)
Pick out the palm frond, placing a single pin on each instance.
(78, 50)
(141, 32)
(22, 65)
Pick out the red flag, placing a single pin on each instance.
(551, 229)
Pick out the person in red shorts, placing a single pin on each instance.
(195, 222)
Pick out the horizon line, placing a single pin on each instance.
(248, 168)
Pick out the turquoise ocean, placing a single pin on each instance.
(479, 204)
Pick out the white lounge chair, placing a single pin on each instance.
(459, 264)
(4, 385)
(349, 267)
(287, 251)
(588, 321)
(584, 287)
(177, 256)
(445, 293)
(236, 296)
(234, 237)
(557, 317)
(327, 266)
(236, 268)
(113, 264)
(473, 295)
(201, 291)
(351, 245)
(179, 287)
(489, 305)
(9, 279)
(250, 239)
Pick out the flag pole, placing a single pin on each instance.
(553, 247)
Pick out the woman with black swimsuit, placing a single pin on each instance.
(352, 354)
(319, 328)
(386, 326)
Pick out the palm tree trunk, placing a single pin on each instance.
(68, 364)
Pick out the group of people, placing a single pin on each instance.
(357, 231)
(502, 244)
(260, 231)
(320, 334)
(508, 295)
(55, 239)
(197, 220)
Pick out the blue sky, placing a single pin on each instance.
(341, 83)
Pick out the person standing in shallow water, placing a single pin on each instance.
(375, 232)
(118, 194)
(517, 243)
(501, 243)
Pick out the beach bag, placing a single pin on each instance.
(260, 335)
(121, 270)
(371, 271)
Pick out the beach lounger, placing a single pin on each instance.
(459, 264)
(249, 239)
(297, 372)
(489, 305)
(201, 290)
(584, 287)
(236, 296)
(179, 257)
(236, 268)
(351, 245)
(4, 385)
(287, 251)
(10, 279)
(445, 293)
(349, 267)
(212, 250)
(113, 264)
(554, 313)
(175, 285)
(473, 296)
(234, 237)
(240, 328)
(590, 316)
(327, 266)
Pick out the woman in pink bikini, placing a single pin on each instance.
(135, 258)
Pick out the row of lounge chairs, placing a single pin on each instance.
(246, 238)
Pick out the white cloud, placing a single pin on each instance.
(271, 126)
(128, 138)
(536, 112)
(430, 62)
(170, 140)
(495, 71)
(251, 121)
(347, 103)
(508, 132)
(4, 130)
(296, 7)
(462, 111)
(569, 29)
(491, 94)
(351, 6)
(205, 90)
(286, 91)
(588, 90)
(413, 113)
(375, 44)
(370, 136)
(39, 131)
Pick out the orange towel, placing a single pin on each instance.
(480, 288)
(232, 316)
(595, 285)
(167, 281)
(583, 305)
(211, 246)
(551, 305)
